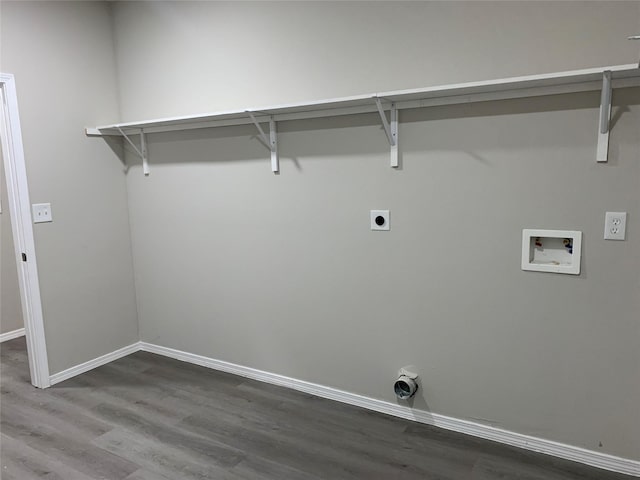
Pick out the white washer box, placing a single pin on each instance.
(554, 251)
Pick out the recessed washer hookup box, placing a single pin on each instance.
(554, 251)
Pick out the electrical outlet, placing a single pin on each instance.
(380, 220)
(41, 212)
(615, 225)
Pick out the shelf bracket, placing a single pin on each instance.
(142, 152)
(390, 129)
(635, 37)
(271, 142)
(604, 119)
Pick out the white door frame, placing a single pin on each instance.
(22, 227)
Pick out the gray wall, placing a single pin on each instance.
(62, 57)
(10, 307)
(176, 58)
(282, 273)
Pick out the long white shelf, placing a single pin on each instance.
(515, 87)
(591, 79)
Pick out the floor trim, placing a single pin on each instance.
(540, 445)
(96, 362)
(4, 337)
(549, 447)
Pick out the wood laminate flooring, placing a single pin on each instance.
(146, 417)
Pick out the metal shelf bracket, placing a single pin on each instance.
(604, 119)
(142, 152)
(390, 129)
(271, 142)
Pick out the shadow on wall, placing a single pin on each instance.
(256, 151)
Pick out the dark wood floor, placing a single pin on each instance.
(146, 417)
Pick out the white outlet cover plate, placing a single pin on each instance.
(41, 212)
(380, 213)
(615, 225)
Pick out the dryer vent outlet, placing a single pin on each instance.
(405, 387)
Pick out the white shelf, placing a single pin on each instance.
(592, 79)
(505, 88)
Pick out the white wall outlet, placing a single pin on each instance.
(380, 220)
(41, 212)
(615, 225)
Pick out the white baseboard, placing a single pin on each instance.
(540, 445)
(11, 335)
(96, 362)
